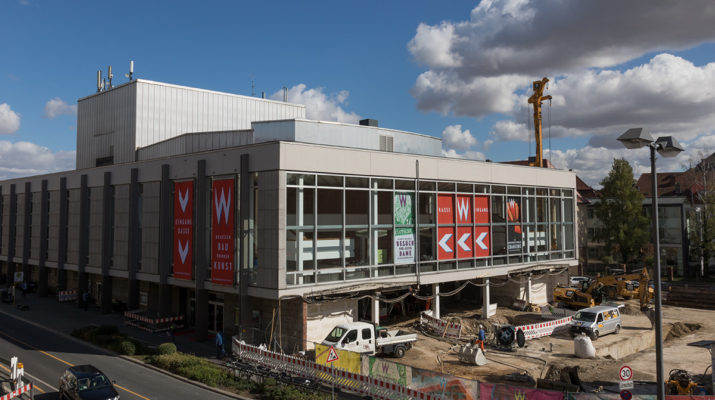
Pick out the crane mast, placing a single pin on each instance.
(536, 100)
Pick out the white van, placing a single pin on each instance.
(596, 321)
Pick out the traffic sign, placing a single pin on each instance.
(332, 355)
(626, 395)
(622, 385)
(626, 373)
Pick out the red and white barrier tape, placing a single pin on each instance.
(532, 331)
(17, 392)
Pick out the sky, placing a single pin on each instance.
(459, 70)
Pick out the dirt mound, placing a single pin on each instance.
(631, 309)
(680, 329)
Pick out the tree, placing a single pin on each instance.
(701, 218)
(626, 228)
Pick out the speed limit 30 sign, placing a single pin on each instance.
(626, 373)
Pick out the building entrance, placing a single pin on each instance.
(215, 316)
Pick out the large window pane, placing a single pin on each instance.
(329, 249)
(330, 180)
(293, 202)
(426, 211)
(295, 179)
(357, 251)
(541, 209)
(299, 250)
(568, 210)
(383, 208)
(427, 252)
(330, 204)
(541, 242)
(498, 239)
(568, 237)
(498, 213)
(555, 211)
(556, 237)
(357, 207)
(384, 245)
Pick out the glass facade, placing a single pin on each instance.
(344, 228)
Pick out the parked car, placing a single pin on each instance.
(86, 382)
(596, 321)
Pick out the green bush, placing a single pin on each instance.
(107, 330)
(127, 348)
(166, 348)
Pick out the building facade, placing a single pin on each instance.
(278, 224)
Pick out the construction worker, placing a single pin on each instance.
(481, 338)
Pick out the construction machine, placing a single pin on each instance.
(536, 100)
(594, 291)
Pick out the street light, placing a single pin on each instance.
(667, 146)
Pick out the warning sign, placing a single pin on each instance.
(332, 355)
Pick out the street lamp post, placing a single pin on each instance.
(667, 146)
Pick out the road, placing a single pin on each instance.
(46, 355)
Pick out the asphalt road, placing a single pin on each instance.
(46, 355)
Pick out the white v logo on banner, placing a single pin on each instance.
(184, 200)
(183, 251)
(222, 206)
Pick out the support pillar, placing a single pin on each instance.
(435, 302)
(485, 299)
(107, 242)
(245, 248)
(133, 241)
(62, 237)
(166, 240)
(44, 223)
(376, 309)
(528, 290)
(201, 195)
(83, 281)
(26, 238)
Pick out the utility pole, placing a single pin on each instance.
(536, 100)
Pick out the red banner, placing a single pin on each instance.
(222, 232)
(183, 229)
(481, 209)
(464, 242)
(464, 209)
(481, 241)
(445, 212)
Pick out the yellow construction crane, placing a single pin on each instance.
(536, 100)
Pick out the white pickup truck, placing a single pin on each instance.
(365, 338)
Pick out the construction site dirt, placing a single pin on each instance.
(546, 357)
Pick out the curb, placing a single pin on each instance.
(135, 361)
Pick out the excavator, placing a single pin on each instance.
(593, 292)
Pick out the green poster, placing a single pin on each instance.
(404, 237)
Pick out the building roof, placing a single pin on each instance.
(585, 192)
(680, 184)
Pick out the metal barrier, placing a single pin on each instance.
(66, 295)
(138, 319)
(451, 330)
(532, 331)
(364, 385)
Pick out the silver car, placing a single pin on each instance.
(596, 321)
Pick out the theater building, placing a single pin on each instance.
(243, 216)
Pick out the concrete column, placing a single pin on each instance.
(376, 309)
(62, 236)
(133, 241)
(435, 302)
(26, 238)
(201, 259)
(44, 223)
(84, 204)
(107, 242)
(12, 231)
(485, 298)
(245, 248)
(166, 241)
(528, 290)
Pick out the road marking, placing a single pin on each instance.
(65, 362)
(34, 378)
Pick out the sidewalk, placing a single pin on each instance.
(65, 317)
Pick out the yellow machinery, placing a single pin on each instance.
(593, 292)
(536, 100)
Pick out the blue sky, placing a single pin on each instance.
(457, 69)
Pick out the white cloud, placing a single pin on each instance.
(469, 155)
(25, 159)
(454, 137)
(9, 120)
(318, 105)
(56, 107)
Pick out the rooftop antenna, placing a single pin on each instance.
(253, 86)
(110, 76)
(99, 81)
(131, 70)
